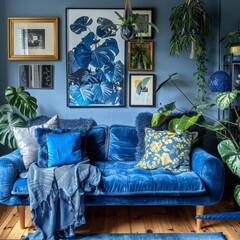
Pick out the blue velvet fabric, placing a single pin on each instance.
(122, 143)
(64, 149)
(121, 178)
(207, 171)
(96, 143)
(41, 133)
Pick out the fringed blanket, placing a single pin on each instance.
(57, 198)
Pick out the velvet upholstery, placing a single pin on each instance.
(122, 184)
(41, 133)
(122, 143)
(64, 149)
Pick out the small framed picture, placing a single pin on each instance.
(144, 29)
(36, 76)
(33, 38)
(140, 56)
(142, 90)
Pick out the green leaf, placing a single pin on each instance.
(237, 194)
(7, 122)
(230, 155)
(203, 106)
(224, 99)
(161, 116)
(180, 125)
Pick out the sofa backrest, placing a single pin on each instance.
(122, 143)
(111, 143)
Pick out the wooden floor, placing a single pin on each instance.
(130, 220)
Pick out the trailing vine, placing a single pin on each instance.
(190, 26)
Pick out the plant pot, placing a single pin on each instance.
(127, 31)
(234, 49)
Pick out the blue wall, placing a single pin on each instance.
(54, 101)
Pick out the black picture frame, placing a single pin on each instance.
(142, 90)
(95, 60)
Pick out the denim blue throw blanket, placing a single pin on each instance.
(57, 198)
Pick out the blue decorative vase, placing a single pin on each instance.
(127, 31)
(220, 81)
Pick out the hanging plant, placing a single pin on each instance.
(191, 25)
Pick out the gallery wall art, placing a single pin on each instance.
(95, 58)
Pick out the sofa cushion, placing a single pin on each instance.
(27, 142)
(121, 178)
(20, 187)
(41, 133)
(64, 148)
(166, 150)
(96, 143)
(144, 119)
(122, 143)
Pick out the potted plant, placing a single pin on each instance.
(140, 57)
(229, 143)
(21, 105)
(190, 25)
(233, 39)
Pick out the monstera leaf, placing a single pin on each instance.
(102, 55)
(237, 194)
(22, 100)
(114, 72)
(81, 96)
(81, 24)
(106, 28)
(102, 91)
(230, 155)
(224, 99)
(72, 63)
(8, 120)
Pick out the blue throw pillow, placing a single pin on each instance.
(63, 148)
(40, 134)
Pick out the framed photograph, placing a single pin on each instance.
(144, 17)
(95, 58)
(142, 90)
(33, 38)
(36, 76)
(140, 56)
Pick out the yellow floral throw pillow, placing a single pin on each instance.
(166, 150)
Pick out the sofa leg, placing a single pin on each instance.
(199, 211)
(21, 215)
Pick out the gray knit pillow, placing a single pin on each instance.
(27, 142)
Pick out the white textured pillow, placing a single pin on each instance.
(27, 142)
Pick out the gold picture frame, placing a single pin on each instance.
(135, 50)
(33, 38)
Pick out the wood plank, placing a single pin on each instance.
(6, 217)
(137, 219)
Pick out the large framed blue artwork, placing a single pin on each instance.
(95, 58)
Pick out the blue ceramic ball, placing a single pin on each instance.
(220, 81)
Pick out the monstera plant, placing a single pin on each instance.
(21, 105)
(229, 141)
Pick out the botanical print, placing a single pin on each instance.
(95, 58)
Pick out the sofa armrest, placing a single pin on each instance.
(10, 167)
(211, 170)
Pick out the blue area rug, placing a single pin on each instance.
(152, 236)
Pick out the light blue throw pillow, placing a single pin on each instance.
(63, 148)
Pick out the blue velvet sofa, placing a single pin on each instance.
(113, 150)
